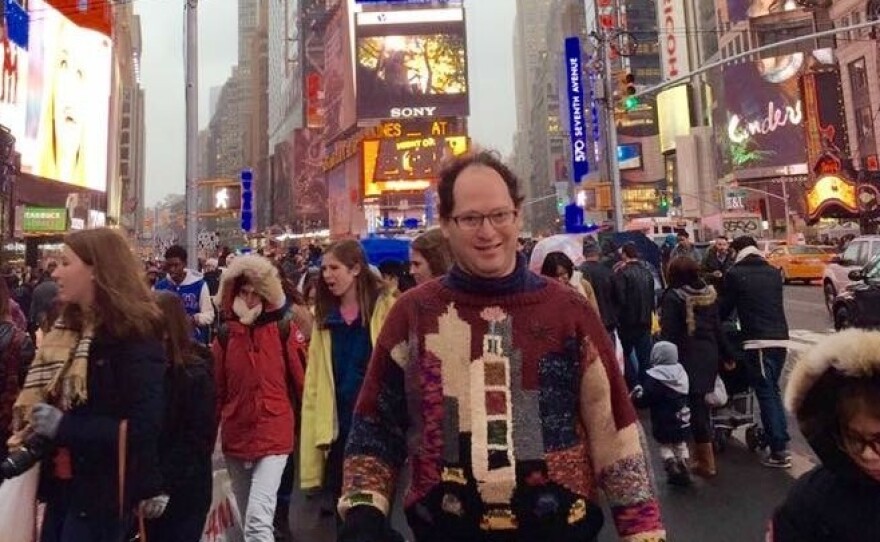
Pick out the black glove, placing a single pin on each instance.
(365, 524)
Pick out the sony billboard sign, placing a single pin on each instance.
(673, 38)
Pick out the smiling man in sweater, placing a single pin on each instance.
(501, 389)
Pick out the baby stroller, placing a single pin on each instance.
(741, 409)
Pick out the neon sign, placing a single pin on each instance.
(776, 118)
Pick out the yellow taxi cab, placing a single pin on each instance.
(799, 262)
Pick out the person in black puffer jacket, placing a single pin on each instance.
(754, 289)
(187, 439)
(834, 391)
(634, 291)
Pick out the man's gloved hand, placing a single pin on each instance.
(364, 524)
(45, 420)
(155, 507)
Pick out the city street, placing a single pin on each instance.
(736, 505)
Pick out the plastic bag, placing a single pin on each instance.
(224, 521)
(717, 398)
(18, 507)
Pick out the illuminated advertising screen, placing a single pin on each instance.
(673, 115)
(14, 90)
(66, 127)
(411, 64)
(760, 118)
(406, 164)
(743, 10)
(825, 115)
(629, 156)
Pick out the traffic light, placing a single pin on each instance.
(663, 204)
(630, 101)
(247, 200)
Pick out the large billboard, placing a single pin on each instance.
(825, 115)
(411, 63)
(743, 10)
(673, 38)
(760, 115)
(13, 86)
(68, 99)
(673, 115)
(406, 164)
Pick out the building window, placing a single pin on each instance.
(858, 74)
(865, 123)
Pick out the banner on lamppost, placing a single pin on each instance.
(576, 118)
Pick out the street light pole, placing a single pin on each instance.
(192, 131)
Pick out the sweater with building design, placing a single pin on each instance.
(509, 405)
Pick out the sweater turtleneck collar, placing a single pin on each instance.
(519, 281)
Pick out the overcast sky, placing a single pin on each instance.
(490, 38)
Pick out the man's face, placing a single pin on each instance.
(484, 248)
(722, 246)
(176, 269)
(683, 241)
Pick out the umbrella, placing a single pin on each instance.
(570, 244)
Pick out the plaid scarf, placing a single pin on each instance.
(58, 374)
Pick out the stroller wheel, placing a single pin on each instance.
(755, 439)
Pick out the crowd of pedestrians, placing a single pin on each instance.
(486, 400)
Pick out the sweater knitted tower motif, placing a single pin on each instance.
(512, 413)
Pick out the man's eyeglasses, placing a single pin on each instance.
(856, 445)
(473, 221)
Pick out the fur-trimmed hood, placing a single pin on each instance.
(813, 386)
(262, 274)
(701, 296)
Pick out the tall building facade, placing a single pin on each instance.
(127, 180)
(530, 54)
(858, 53)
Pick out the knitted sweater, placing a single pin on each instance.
(512, 412)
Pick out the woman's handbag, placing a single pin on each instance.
(717, 398)
(18, 507)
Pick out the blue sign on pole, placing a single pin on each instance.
(576, 119)
(247, 200)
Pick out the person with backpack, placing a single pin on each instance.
(188, 434)
(255, 366)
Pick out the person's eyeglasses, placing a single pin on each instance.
(855, 445)
(473, 221)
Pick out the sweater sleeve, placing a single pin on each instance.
(376, 447)
(619, 460)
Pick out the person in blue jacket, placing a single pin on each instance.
(192, 290)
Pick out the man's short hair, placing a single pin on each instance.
(176, 251)
(450, 173)
(722, 237)
(630, 250)
(683, 233)
(742, 242)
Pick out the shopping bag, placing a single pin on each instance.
(18, 507)
(717, 398)
(224, 520)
